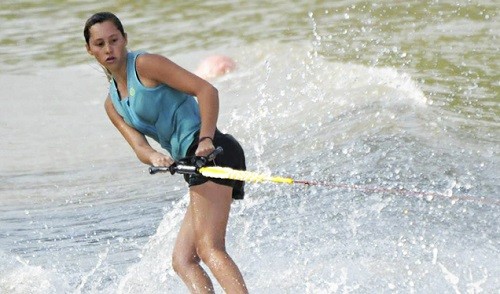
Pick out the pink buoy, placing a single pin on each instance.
(215, 66)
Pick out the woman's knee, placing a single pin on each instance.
(209, 251)
(182, 261)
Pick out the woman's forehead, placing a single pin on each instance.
(103, 30)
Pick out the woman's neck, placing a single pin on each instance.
(119, 73)
(120, 78)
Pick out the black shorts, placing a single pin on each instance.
(232, 156)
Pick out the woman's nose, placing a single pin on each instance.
(108, 48)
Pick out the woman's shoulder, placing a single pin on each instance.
(150, 63)
(137, 55)
(150, 68)
(144, 56)
(146, 59)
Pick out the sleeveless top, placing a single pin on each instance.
(168, 116)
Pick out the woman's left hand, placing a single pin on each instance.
(205, 147)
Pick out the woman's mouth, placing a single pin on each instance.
(110, 59)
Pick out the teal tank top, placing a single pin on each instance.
(168, 116)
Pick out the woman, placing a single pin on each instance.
(149, 95)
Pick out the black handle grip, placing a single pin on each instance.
(158, 169)
(202, 160)
(177, 167)
(214, 153)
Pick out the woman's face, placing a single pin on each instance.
(107, 45)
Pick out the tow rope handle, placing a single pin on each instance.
(188, 165)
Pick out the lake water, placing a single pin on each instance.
(393, 105)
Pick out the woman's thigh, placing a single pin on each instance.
(210, 204)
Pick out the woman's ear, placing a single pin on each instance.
(88, 49)
(126, 39)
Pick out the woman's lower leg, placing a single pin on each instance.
(185, 260)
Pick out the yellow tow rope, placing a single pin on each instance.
(247, 176)
(240, 175)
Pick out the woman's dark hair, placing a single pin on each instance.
(101, 17)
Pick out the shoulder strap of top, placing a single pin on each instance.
(115, 97)
(132, 77)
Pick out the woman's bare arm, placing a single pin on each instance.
(135, 139)
(156, 69)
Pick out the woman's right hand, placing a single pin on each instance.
(159, 159)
